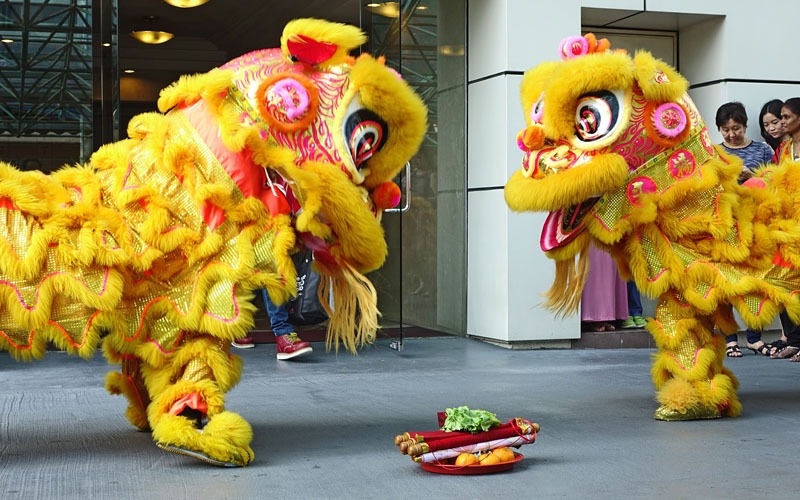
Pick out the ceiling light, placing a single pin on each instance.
(7, 40)
(185, 4)
(451, 50)
(386, 9)
(150, 35)
(128, 71)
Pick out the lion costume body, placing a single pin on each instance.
(616, 151)
(156, 246)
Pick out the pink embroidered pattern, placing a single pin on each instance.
(640, 186)
(681, 164)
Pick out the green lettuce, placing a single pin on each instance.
(464, 419)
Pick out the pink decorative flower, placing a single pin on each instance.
(669, 119)
(574, 46)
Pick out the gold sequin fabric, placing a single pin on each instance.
(121, 247)
(709, 238)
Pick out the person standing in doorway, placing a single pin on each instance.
(635, 311)
(289, 345)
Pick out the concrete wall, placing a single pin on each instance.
(507, 272)
(727, 50)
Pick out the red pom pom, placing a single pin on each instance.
(386, 195)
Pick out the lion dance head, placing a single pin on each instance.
(327, 130)
(603, 131)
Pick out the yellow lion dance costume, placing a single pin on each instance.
(616, 151)
(156, 246)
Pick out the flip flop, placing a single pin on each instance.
(785, 352)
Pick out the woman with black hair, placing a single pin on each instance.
(769, 119)
(731, 121)
(790, 117)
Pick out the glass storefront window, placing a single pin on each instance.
(47, 63)
(423, 283)
(71, 78)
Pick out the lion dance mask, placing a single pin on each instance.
(156, 246)
(616, 152)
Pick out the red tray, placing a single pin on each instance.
(441, 468)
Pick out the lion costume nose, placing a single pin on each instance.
(532, 138)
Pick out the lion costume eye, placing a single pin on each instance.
(537, 110)
(597, 115)
(365, 133)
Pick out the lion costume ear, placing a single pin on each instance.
(666, 119)
(658, 80)
(320, 43)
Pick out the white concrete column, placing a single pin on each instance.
(508, 273)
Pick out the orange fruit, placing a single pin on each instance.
(488, 459)
(504, 454)
(466, 459)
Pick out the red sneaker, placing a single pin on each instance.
(290, 346)
(243, 343)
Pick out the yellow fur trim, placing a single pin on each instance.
(187, 90)
(681, 395)
(226, 437)
(161, 404)
(118, 384)
(565, 188)
(321, 188)
(224, 369)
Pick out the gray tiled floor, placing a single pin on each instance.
(324, 427)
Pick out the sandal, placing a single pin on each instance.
(785, 352)
(600, 326)
(733, 351)
(774, 346)
(762, 349)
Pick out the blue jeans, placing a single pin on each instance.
(753, 336)
(634, 300)
(278, 316)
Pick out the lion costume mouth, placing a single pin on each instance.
(564, 224)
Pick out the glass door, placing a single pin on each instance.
(422, 286)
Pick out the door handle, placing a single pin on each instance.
(407, 191)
